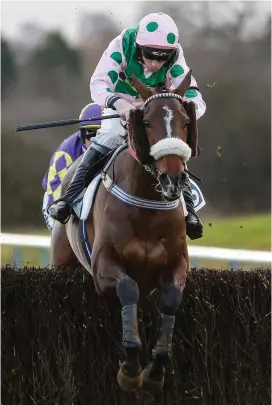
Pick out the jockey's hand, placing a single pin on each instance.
(123, 108)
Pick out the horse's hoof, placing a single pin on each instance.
(152, 385)
(128, 383)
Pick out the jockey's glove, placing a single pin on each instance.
(123, 108)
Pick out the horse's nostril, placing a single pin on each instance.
(172, 183)
(177, 180)
(164, 179)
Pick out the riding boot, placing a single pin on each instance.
(194, 226)
(92, 162)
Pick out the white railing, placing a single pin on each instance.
(234, 256)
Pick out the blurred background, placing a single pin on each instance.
(49, 51)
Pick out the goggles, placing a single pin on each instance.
(157, 54)
(90, 130)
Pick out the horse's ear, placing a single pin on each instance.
(138, 137)
(184, 85)
(192, 137)
(144, 91)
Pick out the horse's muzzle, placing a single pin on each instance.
(172, 185)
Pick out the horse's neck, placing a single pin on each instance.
(133, 178)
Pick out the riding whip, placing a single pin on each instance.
(61, 123)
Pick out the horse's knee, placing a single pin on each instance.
(126, 288)
(127, 291)
(106, 285)
(171, 299)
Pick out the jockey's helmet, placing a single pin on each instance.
(157, 36)
(88, 128)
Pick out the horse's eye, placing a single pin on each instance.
(147, 124)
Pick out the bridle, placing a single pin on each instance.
(151, 169)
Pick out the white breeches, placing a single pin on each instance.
(48, 220)
(111, 134)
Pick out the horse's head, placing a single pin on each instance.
(164, 134)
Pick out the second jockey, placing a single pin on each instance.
(68, 151)
(153, 53)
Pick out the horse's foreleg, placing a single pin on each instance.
(110, 277)
(171, 297)
(130, 373)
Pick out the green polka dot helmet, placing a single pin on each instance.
(157, 30)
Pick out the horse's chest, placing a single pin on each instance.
(148, 239)
(149, 253)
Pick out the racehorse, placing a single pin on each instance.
(139, 245)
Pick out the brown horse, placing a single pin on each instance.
(137, 248)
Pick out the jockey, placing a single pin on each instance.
(152, 52)
(68, 151)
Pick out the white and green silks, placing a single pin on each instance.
(120, 56)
